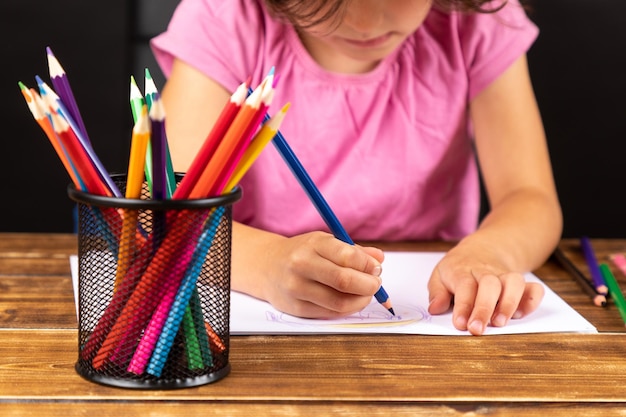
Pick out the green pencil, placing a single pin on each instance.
(614, 290)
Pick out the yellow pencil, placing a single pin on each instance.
(134, 183)
(262, 138)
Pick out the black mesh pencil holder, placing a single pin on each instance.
(154, 289)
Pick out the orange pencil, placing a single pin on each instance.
(267, 94)
(207, 183)
(35, 105)
(262, 138)
(134, 183)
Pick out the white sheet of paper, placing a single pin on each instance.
(405, 276)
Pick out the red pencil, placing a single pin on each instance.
(267, 94)
(220, 127)
(207, 183)
(80, 160)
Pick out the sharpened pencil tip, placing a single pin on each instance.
(391, 311)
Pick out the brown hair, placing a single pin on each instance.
(315, 12)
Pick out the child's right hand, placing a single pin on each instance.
(313, 275)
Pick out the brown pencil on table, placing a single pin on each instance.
(598, 299)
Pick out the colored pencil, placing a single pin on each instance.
(592, 264)
(614, 290)
(78, 155)
(152, 94)
(267, 94)
(620, 261)
(158, 144)
(320, 204)
(61, 83)
(193, 344)
(237, 131)
(262, 138)
(55, 103)
(598, 299)
(224, 120)
(35, 105)
(136, 100)
(134, 183)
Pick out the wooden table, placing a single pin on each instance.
(532, 375)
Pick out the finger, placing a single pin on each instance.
(331, 303)
(439, 298)
(489, 289)
(350, 256)
(311, 299)
(513, 284)
(348, 281)
(533, 294)
(377, 253)
(464, 296)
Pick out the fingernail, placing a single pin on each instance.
(518, 315)
(476, 327)
(378, 269)
(461, 323)
(499, 320)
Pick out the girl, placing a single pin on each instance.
(391, 102)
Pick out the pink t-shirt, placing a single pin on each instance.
(390, 150)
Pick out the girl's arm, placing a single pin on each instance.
(483, 273)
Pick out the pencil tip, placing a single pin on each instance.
(147, 73)
(391, 311)
(49, 51)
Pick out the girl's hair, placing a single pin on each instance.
(318, 11)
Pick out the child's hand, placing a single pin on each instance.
(482, 290)
(316, 275)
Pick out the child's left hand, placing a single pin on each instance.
(482, 290)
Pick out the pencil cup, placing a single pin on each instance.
(154, 289)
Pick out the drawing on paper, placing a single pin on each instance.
(371, 316)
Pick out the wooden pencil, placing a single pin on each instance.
(242, 123)
(260, 140)
(585, 284)
(35, 105)
(226, 117)
(61, 83)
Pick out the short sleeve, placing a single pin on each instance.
(219, 38)
(491, 42)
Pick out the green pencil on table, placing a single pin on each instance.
(615, 292)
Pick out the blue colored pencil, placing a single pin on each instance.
(319, 202)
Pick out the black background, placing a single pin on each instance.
(578, 67)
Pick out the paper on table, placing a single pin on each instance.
(405, 276)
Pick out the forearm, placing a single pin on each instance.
(250, 249)
(522, 229)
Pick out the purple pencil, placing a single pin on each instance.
(61, 84)
(594, 267)
(159, 149)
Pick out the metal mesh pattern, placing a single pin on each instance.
(154, 292)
